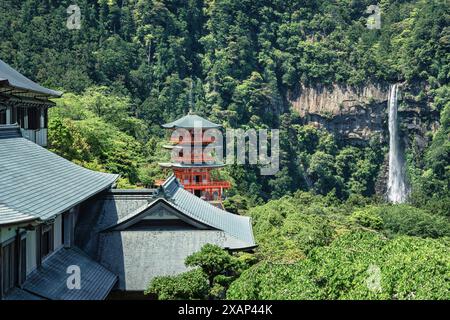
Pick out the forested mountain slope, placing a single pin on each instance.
(310, 68)
(241, 63)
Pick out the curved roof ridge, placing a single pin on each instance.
(198, 209)
(38, 183)
(13, 78)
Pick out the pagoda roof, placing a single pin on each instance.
(191, 121)
(17, 83)
(175, 165)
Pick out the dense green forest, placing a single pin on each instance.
(319, 223)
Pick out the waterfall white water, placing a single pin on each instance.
(397, 190)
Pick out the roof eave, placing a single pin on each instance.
(52, 93)
(19, 221)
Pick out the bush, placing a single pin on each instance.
(188, 285)
(367, 218)
(214, 262)
(236, 204)
(214, 270)
(275, 281)
(286, 232)
(357, 265)
(411, 221)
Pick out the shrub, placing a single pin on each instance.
(367, 218)
(357, 265)
(408, 220)
(188, 285)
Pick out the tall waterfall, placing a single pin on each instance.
(397, 189)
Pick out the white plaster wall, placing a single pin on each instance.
(7, 233)
(57, 237)
(31, 251)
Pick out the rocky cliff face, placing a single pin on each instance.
(335, 100)
(351, 113)
(356, 114)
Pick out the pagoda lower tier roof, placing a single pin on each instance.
(192, 165)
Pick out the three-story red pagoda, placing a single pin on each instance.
(194, 171)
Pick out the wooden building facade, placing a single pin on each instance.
(25, 103)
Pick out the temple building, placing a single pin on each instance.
(25, 103)
(141, 234)
(194, 171)
(40, 197)
(57, 217)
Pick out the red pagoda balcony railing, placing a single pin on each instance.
(200, 185)
(207, 184)
(194, 159)
(179, 140)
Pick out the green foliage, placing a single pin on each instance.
(367, 218)
(287, 231)
(431, 185)
(275, 281)
(236, 204)
(214, 270)
(411, 221)
(96, 131)
(217, 264)
(359, 265)
(322, 171)
(317, 247)
(188, 285)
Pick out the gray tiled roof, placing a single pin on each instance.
(13, 78)
(19, 294)
(147, 254)
(10, 216)
(238, 226)
(36, 183)
(191, 121)
(191, 206)
(50, 280)
(138, 255)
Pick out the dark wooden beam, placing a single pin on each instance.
(1, 272)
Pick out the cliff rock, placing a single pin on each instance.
(350, 112)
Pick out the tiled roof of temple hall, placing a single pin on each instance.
(36, 184)
(113, 231)
(14, 79)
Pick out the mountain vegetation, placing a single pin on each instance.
(322, 229)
